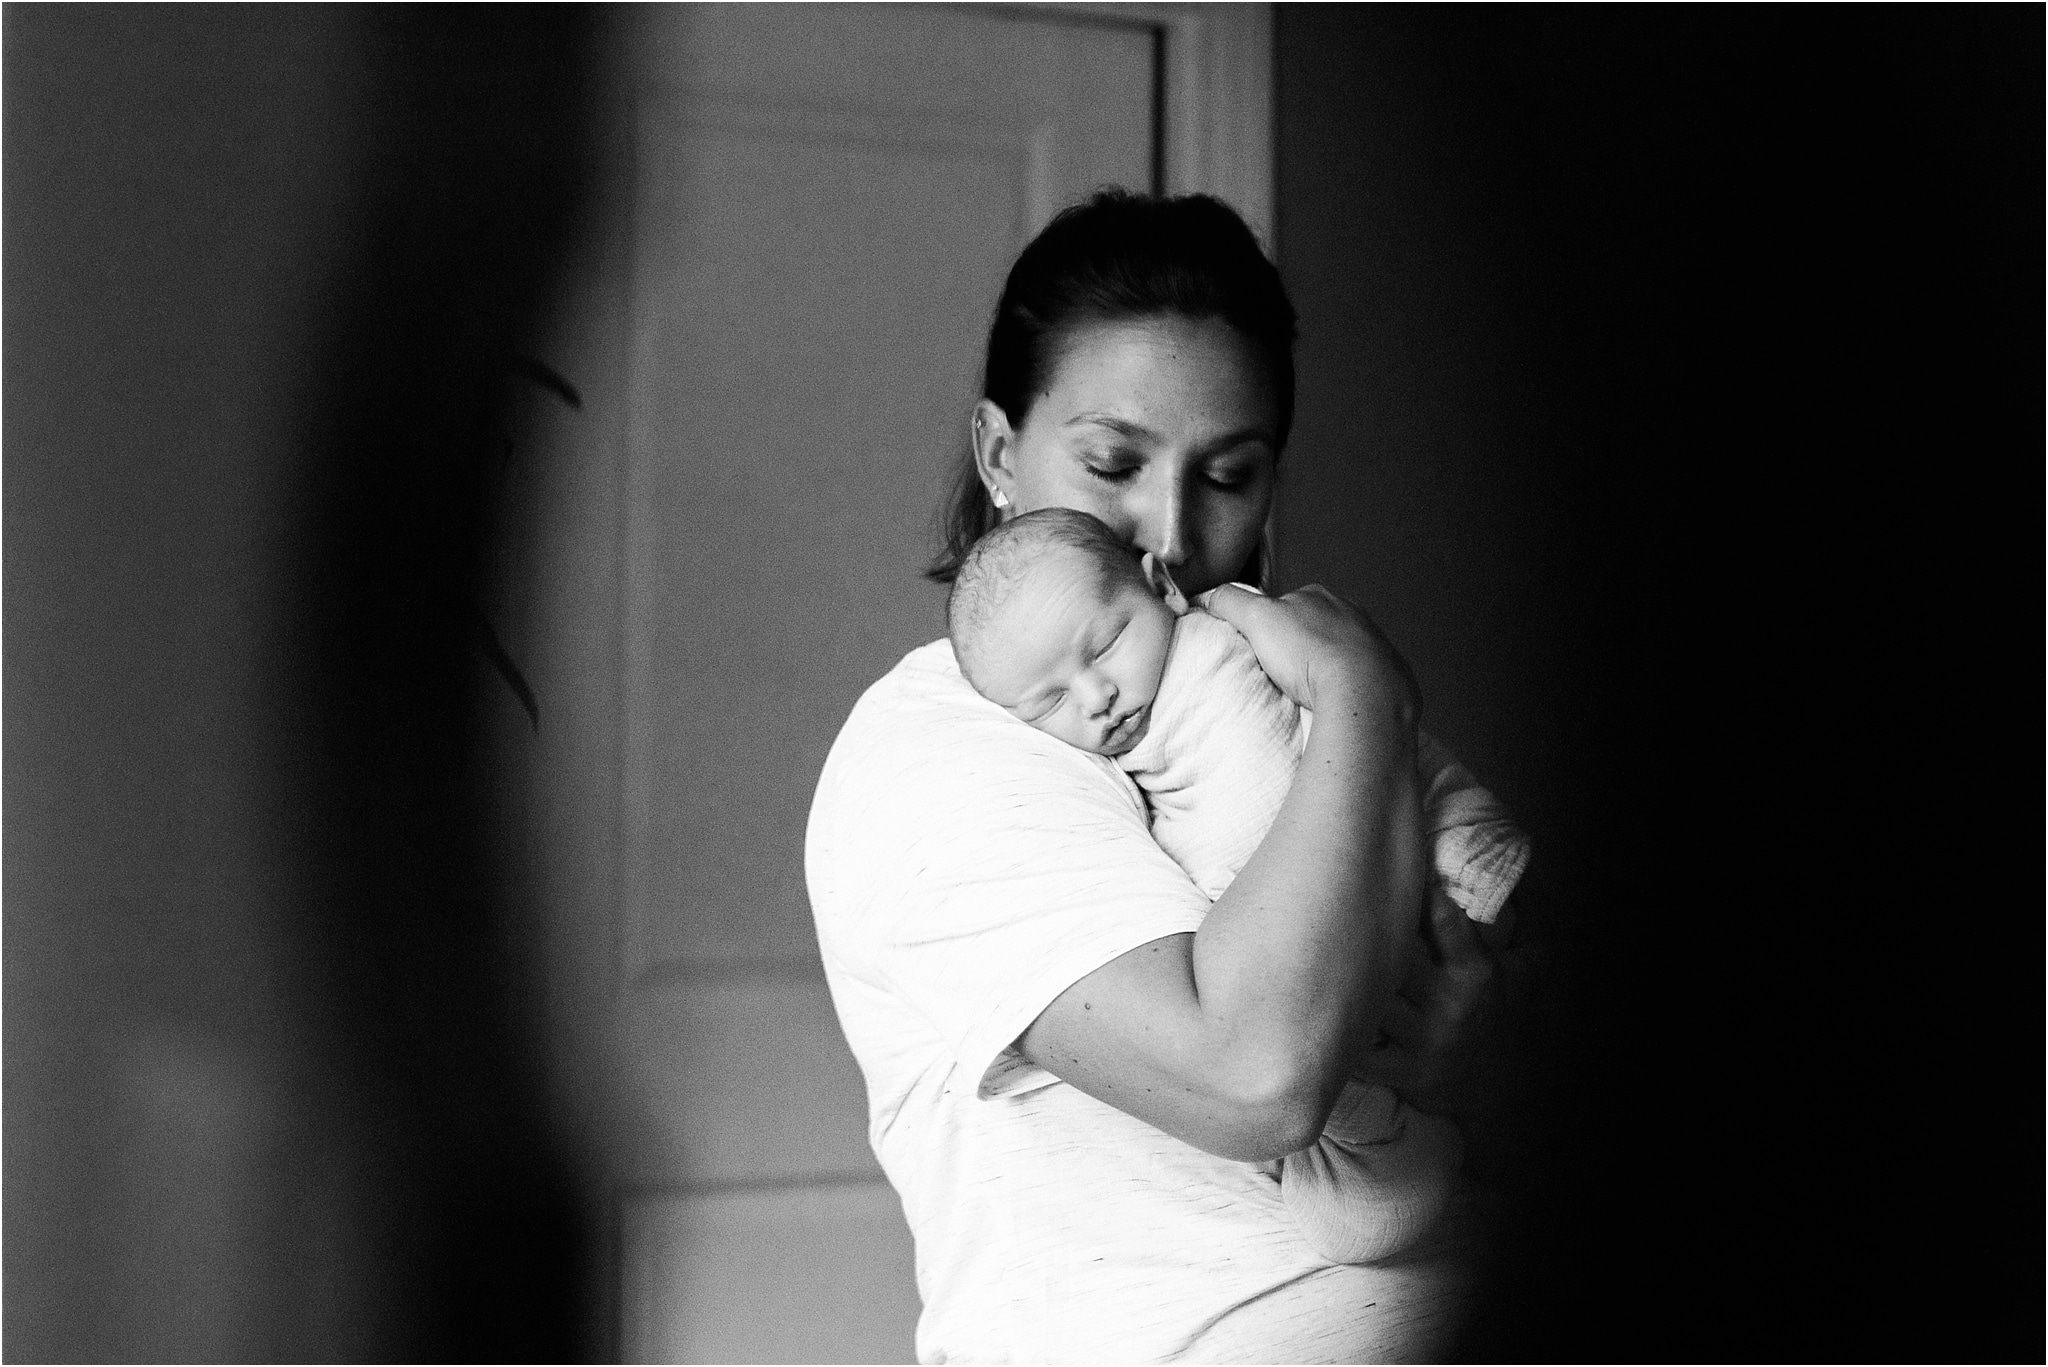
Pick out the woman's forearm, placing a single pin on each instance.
(1304, 947)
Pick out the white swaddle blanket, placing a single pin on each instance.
(1220, 754)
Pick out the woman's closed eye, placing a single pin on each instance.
(1113, 467)
(1122, 468)
(1235, 472)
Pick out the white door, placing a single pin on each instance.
(825, 201)
(812, 214)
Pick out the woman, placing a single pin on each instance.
(1075, 1063)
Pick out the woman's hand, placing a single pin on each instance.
(1437, 1028)
(1319, 649)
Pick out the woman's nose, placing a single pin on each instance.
(1164, 525)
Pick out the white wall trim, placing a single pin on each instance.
(1219, 99)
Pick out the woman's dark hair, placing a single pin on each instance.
(1122, 256)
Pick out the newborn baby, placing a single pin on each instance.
(1062, 625)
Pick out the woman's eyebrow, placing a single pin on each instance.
(1239, 438)
(1124, 427)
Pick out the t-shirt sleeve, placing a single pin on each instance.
(979, 869)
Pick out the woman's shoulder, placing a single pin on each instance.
(921, 740)
(930, 788)
(922, 703)
(928, 675)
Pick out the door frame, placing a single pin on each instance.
(1216, 62)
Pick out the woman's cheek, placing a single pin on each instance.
(1234, 542)
(1083, 493)
(1107, 502)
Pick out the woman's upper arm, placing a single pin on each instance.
(981, 872)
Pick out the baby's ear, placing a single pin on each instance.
(1162, 584)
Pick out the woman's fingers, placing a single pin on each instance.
(1435, 1030)
(1313, 644)
(1387, 1066)
(1462, 968)
(1403, 1024)
(1282, 642)
(1243, 609)
(1390, 1063)
(1452, 937)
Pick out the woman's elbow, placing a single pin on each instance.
(1271, 1120)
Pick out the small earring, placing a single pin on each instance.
(999, 498)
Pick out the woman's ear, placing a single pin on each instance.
(1162, 584)
(994, 444)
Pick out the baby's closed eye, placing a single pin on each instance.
(1050, 706)
(1110, 644)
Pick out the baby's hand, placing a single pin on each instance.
(1317, 648)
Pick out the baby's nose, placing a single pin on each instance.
(1100, 695)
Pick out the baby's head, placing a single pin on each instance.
(1065, 627)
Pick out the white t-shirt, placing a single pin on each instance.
(964, 870)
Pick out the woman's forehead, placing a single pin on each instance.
(1165, 375)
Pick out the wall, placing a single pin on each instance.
(270, 1063)
(1639, 348)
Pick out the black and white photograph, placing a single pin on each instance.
(1023, 683)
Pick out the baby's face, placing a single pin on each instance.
(1078, 668)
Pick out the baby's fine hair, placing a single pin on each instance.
(997, 565)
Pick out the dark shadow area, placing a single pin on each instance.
(469, 195)
(1692, 360)
(275, 1069)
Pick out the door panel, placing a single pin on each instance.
(823, 203)
(815, 251)
(796, 380)
(803, 1274)
(739, 1078)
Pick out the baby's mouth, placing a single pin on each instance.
(1123, 733)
